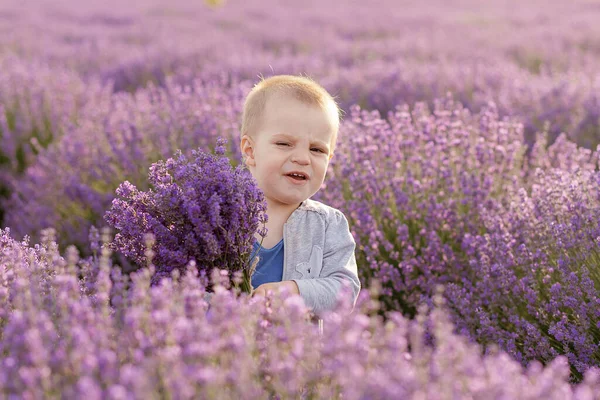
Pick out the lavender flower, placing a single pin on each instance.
(199, 209)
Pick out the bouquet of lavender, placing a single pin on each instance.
(200, 210)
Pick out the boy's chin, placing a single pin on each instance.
(292, 201)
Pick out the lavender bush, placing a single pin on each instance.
(37, 104)
(538, 287)
(71, 185)
(413, 185)
(77, 327)
(197, 210)
(451, 198)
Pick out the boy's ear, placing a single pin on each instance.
(247, 148)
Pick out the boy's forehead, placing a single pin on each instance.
(284, 108)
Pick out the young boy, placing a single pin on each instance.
(289, 130)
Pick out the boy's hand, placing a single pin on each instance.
(275, 287)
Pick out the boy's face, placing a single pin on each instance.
(290, 152)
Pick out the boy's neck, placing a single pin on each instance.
(278, 211)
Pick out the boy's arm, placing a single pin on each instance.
(339, 266)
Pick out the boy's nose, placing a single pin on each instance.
(301, 157)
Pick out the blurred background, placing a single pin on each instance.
(467, 153)
(537, 60)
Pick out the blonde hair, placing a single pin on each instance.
(303, 89)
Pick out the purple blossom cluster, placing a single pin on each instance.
(197, 210)
(78, 327)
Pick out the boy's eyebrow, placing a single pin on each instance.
(285, 135)
(288, 136)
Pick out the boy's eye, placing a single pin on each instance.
(282, 144)
(317, 150)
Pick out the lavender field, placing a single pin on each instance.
(467, 165)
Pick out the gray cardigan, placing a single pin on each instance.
(319, 255)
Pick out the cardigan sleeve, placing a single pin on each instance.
(339, 268)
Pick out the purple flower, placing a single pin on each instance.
(200, 210)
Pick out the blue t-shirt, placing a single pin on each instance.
(270, 264)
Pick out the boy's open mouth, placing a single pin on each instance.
(299, 176)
